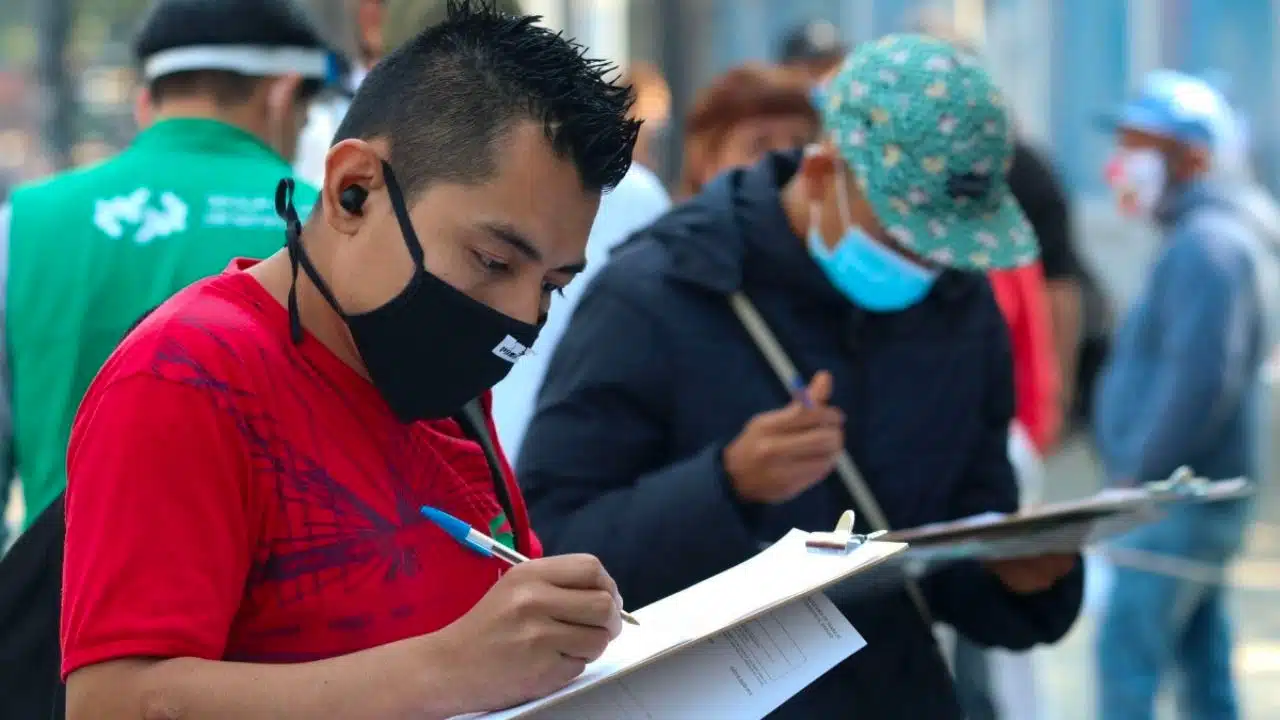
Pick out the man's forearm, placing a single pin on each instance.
(407, 680)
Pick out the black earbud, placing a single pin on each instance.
(352, 199)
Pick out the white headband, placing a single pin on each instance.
(250, 60)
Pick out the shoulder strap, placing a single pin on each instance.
(788, 375)
(471, 419)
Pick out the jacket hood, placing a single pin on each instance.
(1251, 201)
(735, 233)
(1258, 204)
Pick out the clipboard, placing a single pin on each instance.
(1067, 526)
(793, 569)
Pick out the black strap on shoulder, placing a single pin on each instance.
(471, 419)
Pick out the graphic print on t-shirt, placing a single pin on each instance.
(500, 530)
(344, 559)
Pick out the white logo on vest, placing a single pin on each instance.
(245, 212)
(134, 213)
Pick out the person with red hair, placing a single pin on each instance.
(652, 107)
(744, 114)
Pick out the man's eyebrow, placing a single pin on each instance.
(522, 245)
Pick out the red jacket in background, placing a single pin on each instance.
(1024, 301)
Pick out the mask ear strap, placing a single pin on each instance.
(298, 258)
(396, 196)
(815, 217)
(293, 245)
(842, 197)
(815, 206)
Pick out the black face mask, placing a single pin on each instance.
(429, 350)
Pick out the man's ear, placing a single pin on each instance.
(282, 94)
(350, 163)
(817, 170)
(1196, 161)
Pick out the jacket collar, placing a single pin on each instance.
(202, 135)
(736, 233)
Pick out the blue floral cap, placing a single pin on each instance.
(927, 135)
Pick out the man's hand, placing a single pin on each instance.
(1029, 575)
(782, 453)
(532, 633)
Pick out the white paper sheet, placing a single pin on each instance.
(743, 673)
(775, 589)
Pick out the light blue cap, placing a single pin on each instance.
(1177, 106)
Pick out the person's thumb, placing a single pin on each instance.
(820, 388)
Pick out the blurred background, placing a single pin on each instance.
(65, 76)
(67, 89)
(66, 84)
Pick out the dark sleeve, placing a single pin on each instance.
(966, 595)
(1043, 199)
(595, 465)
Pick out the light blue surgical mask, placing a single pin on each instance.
(818, 97)
(871, 275)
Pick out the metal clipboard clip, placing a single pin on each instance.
(1183, 482)
(1185, 485)
(843, 539)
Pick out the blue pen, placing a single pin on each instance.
(470, 538)
(480, 543)
(800, 391)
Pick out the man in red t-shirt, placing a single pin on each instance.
(244, 535)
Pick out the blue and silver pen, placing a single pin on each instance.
(800, 391)
(482, 544)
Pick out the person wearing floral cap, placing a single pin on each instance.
(664, 442)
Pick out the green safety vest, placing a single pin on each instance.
(92, 250)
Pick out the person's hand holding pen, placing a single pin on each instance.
(533, 633)
(783, 452)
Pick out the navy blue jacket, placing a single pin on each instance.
(655, 376)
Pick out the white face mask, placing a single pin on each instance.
(1139, 179)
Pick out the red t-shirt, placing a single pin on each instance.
(232, 495)
(1024, 301)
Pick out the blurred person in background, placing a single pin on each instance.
(1042, 301)
(6, 421)
(661, 425)
(1008, 688)
(1059, 290)
(743, 115)
(652, 108)
(1041, 304)
(85, 253)
(367, 19)
(1183, 386)
(227, 87)
(637, 201)
(813, 49)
